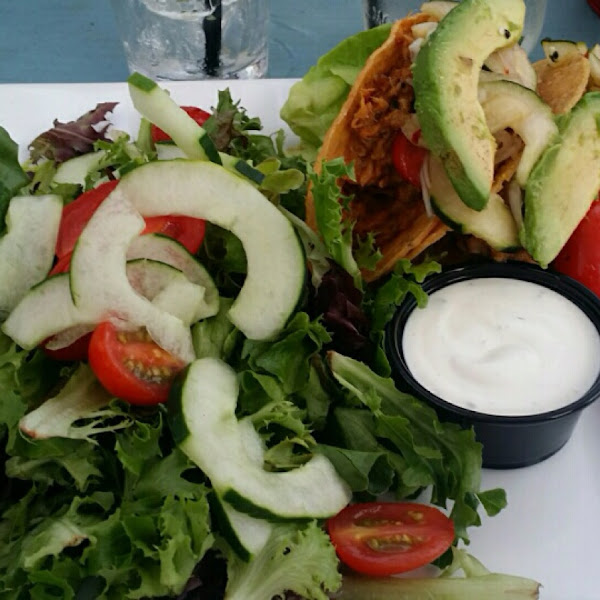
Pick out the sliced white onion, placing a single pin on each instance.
(512, 63)
(411, 128)
(423, 30)
(425, 178)
(508, 144)
(438, 9)
(414, 48)
(515, 202)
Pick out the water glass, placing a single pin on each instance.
(194, 39)
(377, 12)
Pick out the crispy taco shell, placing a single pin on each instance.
(378, 105)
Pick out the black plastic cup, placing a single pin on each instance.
(508, 441)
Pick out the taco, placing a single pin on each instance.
(380, 107)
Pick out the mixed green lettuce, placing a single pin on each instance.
(107, 506)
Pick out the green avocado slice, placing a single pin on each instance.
(564, 182)
(445, 79)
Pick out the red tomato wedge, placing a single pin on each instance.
(76, 214)
(384, 538)
(132, 366)
(189, 232)
(580, 256)
(408, 159)
(199, 115)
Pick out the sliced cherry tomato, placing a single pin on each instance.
(199, 115)
(186, 230)
(408, 159)
(132, 366)
(78, 350)
(384, 538)
(580, 256)
(76, 215)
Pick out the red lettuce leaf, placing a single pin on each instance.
(67, 140)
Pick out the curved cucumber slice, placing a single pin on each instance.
(155, 104)
(48, 309)
(494, 224)
(75, 170)
(167, 250)
(27, 247)
(202, 418)
(99, 284)
(275, 258)
(245, 535)
(445, 79)
(507, 104)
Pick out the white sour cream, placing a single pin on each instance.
(502, 347)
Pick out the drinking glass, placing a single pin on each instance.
(377, 12)
(194, 39)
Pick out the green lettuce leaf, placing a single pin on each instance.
(440, 456)
(314, 101)
(12, 176)
(296, 559)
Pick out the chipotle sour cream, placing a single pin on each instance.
(502, 347)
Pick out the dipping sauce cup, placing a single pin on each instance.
(511, 350)
(194, 39)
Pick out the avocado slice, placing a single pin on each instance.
(564, 182)
(445, 80)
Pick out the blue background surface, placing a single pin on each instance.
(76, 40)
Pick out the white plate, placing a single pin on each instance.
(550, 529)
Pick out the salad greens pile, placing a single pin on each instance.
(112, 508)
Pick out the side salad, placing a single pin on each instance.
(193, 381)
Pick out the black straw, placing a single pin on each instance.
(212, 38)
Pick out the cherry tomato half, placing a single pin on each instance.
(199, 115)
(384, 538)
(580, 256)
(132, 366)
(408, 159)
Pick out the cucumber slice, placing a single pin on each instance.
(75, 170)
(202, 418)
(169, 289)
(594, 58)
(556, 50)
(245, 535)
(48, 309)
(494, 224)
(155, 104)
(275, 258)
(169, 152)
(507, 104)
(167, 250)
(27, 247)
(98, 278)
